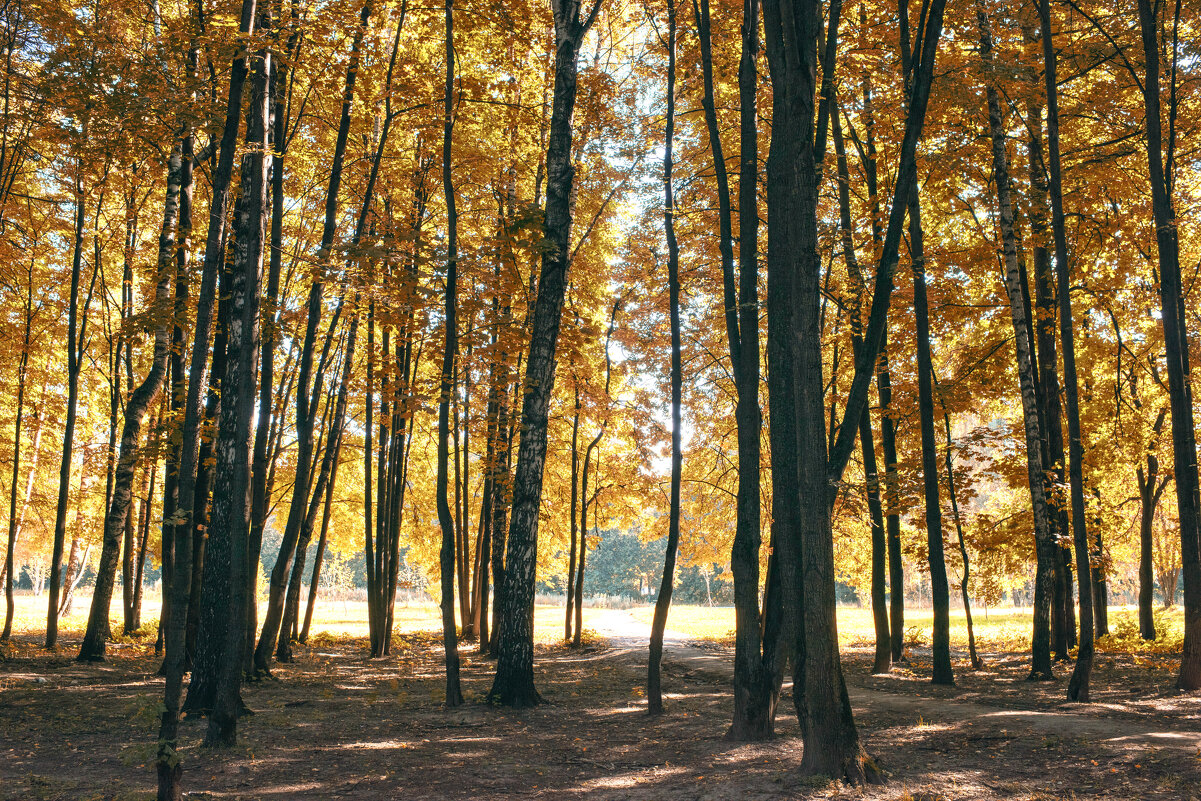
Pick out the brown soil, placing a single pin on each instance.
(336, 724)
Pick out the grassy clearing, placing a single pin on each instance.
(332, 620)
(997, 630)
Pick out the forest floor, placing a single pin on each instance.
(336, 724)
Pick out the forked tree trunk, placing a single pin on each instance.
(227, 553)
(883, 654)
(308, 390)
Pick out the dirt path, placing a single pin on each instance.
(1095, 721)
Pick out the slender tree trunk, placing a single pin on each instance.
(117, 520)
(1078, 685)
(1036, 476)
(450, 643)
(1150, 487)
(22, 371)
(883, 655)
(572, 514)
(1176, 341)
(514, 683)
(319, 556)
(76, 340)
(892, 520)
(939, 589)
(754, 698)
(965, 594)
(308, 390)
(654, 691)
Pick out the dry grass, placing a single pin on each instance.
(997, 630)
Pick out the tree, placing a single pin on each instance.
(514, 683)
(654, 691)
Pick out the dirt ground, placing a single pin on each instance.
(336, 724)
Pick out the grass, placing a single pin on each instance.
(332, 619)
(998, 630)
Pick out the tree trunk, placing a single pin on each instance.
(575, 505)
(888, 442)
(175, 663)
(1150, 487)
(977, 663)
(1078, 685)
(308, 391)
(446, 558)
(871, 476)
(939, 588)
(1176, 342)
(22, 371)
(1045, 547)
(654, 691)
(117, 518)
(514, 683)
(227, 555)
(319, 556)
(754, 701)
(76, 340)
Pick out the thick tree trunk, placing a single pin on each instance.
(514, 683)
(1176, 342)
(654, 690)
(224, 597)
(175, 663)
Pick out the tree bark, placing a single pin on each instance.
(1078, 685)
(514, 683)
(175, 663)
(22, 372)
(654, 690)
(446, 558)
(308, 390)
(140, 400)
(76, 340)
(1045, 546)
(1176, 342)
